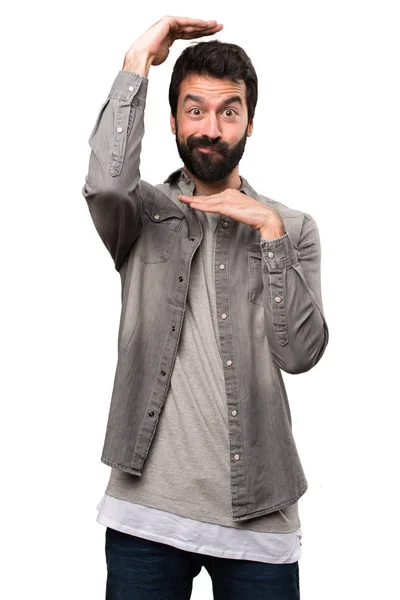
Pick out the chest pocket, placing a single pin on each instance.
(160, 230)
(255, 281)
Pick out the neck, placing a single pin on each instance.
(232, 181)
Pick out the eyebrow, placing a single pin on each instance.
(201, 100)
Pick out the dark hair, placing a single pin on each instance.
(215, 59)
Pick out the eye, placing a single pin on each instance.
(196, 112)
(229, 112)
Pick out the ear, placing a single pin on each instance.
(250, 128)
(172, 123)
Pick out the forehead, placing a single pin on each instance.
(211, 88)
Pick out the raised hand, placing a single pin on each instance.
(152, 48)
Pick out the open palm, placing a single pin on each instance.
(160, 37)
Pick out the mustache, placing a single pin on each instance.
(207, 142)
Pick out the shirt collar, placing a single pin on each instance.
(179, 176)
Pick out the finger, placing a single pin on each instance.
(196, 34)
(186, 34)
(188, 22)
(200, 199)
(191, 29)
(208, 206)
(184, 199)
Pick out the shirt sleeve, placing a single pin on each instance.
(296, 327)
(111, 188)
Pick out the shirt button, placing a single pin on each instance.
(180, 278)
(224, 224)
(236, 457)
(157, 217)
(223, 316)
(278, 298)
(234, 413)
(222, 267)
(270, 255)
(119, 129)
(130, 88)
(228, 363)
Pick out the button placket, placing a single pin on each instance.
(166, 364)
(221, 271)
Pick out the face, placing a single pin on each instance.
(211, 127)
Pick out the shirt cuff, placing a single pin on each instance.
(278, 254)
(127, 85)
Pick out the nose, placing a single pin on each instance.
(210, 126)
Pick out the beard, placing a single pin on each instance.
(211, 167)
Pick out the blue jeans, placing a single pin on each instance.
(140, 569)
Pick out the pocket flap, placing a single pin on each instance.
(157, 214)
(255, 251)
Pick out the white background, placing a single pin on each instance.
(326, 141)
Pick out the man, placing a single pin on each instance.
(220, 292)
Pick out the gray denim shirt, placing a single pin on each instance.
(269, 304)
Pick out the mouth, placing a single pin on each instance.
(207, 150)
